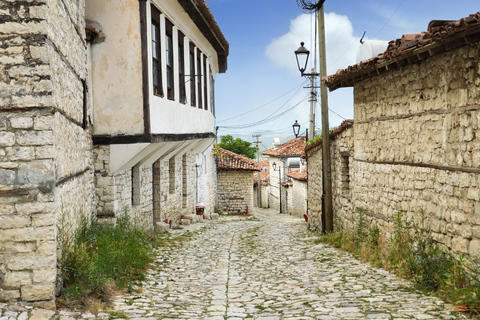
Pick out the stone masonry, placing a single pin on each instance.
(150, 194)
(415, 148)
(235, 191)
(44, 177)
(341, 150)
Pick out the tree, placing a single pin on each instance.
(238, 146)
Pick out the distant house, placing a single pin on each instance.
(296, 192)
(416, 142)
(264, 173)
(234, 181)
(286, 157)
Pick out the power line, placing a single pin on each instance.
(267, 119)
(255, 109)
(390, 18)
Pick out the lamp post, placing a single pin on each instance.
(296, 128)
(274, 165)
(302, 55)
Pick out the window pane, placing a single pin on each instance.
(155, 73)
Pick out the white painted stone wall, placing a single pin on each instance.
(297, 198)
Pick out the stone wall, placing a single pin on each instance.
(210, 186)
(296, 195)
(417, 147)
(264, 193)
(154, 193)
(343, 179)
(235, 191)
(44, 177)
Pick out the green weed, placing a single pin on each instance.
(412, 253)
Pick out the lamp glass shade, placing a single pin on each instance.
(274, 165)
(302, 54)
(296, 128)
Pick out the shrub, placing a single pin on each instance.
(97, 254)
(411, 252)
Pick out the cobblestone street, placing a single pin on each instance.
(266, 268)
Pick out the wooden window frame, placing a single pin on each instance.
(212, 93)
(205, 83)
(170, 57)
(155, 21)
(193, 95)
(199, 78)
(181, 68)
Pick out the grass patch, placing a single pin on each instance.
(99, 260)
(413, 254)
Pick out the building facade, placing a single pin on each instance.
(235, 181)
(417, 109)
(286, 157)
(99, 115)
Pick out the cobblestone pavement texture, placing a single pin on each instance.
(265, 268)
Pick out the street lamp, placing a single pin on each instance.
(296, 128)
(302, 54)
(274, 165)
(302, 59)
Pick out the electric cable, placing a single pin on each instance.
(390, 18)
(255, 109)
(267, 119)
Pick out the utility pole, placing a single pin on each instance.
(327, 172)
(310, 136)
(259, 186)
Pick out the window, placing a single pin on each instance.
(184, 181)
(345, 171)
(193, 96)
(199, 78)
(135, 179)
(181, 67)
(212, 93)
(156, 60)
(205, 80)
(169, 45)
(171, 175)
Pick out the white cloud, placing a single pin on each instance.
(341, 44)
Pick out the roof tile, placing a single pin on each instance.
(229, 160)
(297, 175)
(295, 147)
(410, 48)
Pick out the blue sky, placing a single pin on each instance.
(262, 77)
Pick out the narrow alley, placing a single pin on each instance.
(269, 268)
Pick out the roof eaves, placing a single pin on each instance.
(410, 49)
(202, 16)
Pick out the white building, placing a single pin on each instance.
(153, 67)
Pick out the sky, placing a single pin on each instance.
(262, 91)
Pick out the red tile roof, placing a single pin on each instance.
(334, 132)
(292, 148)
(441, 36)
(229, 160)
(297, 175)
